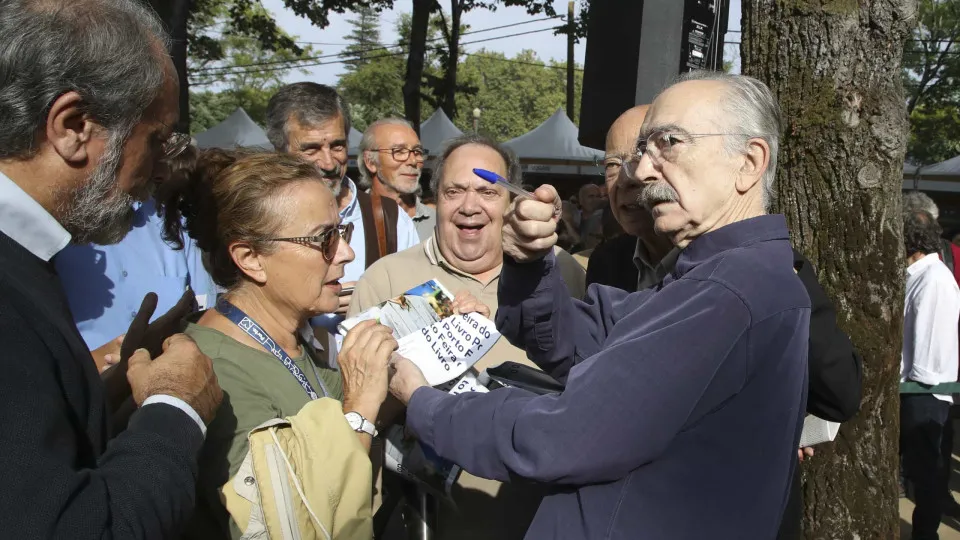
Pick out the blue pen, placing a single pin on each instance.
(495, 178)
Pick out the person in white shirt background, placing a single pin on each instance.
(931, 312)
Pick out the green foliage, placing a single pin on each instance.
(515, 95)
(931, 76)
(934, 133)
(364, 36)
(375, 89)
(243, 72)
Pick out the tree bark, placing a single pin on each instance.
(420, 22)
(453, 47)
(834, 66)
(176, 16)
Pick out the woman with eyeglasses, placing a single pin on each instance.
(271, 229)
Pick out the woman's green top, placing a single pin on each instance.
(256, 388)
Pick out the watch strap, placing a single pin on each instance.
(365, 426)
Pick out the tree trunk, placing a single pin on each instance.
(176, 17)
(835, 67)
(453, 48)
(420, 22)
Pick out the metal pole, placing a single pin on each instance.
(570, 63)
(419, 513)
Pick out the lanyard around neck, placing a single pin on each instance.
(248, 325)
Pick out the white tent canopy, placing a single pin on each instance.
(236, 131)
(950, 167)
(437, 130)
(553, 140)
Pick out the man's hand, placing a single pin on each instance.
(182, 371)
(530, 226)
(405, 379)
(464, 302)
(142, 334)
(804, 452)
(345, 298)
(107, 354)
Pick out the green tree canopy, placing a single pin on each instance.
(363, 39)
(931, 76)
(243, 73)
(514, 95)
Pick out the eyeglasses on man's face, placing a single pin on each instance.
(402, 153)
(610, 164)
(327, 242)
(663, 147)
(175, 144)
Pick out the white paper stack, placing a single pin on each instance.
(817, 430)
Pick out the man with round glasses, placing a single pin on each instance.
(683, 403)
(391, 162)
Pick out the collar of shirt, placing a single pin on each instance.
(432, 251)
(28, 223)
(422, 211)
(649, 275)
(352, 212)
(739, 234)
(641, 256)
(920, 266)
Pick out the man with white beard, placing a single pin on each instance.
(391, 161)
(87, 97)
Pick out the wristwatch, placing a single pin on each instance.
(360, 424)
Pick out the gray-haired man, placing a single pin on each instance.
(391, 161)
(88, 96)
(682, 406)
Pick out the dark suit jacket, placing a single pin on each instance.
(62, 479)
(611, 263)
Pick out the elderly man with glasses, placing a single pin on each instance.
(683, 403)
(391, 161)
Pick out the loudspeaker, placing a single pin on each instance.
(635, 48)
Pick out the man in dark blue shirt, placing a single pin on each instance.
(683, 404)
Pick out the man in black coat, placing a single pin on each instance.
(87, 98)
(835, 367)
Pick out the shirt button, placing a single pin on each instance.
(124, 273)
(249, 481)
(133, 314)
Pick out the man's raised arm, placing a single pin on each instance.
(535, 310)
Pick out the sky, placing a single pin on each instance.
(545, 44)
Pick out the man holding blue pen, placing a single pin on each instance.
(683, 404)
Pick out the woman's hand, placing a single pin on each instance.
(464, 302)
(363, 362)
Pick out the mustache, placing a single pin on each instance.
(656, 193)
(335, 173)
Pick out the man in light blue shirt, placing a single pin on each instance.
(106, 284)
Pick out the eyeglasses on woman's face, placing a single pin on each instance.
(327, 241)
